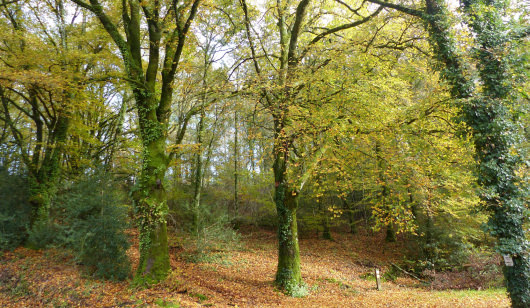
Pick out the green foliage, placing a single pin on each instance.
(15, 210)
(88, 217)
(163, 303)
(93, 223)
(199, 296)
(43, 234)
(300, 290)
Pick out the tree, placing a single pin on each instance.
(42, 85)
(297, 145)
(166, 37)
(497, 141)
(495, 134)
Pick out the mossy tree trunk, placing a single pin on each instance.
(151, 207)
(288, 274)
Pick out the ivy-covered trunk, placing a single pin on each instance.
(288, 274)
(151, 200)
(495, 134)
(497, 137)
(151, 210)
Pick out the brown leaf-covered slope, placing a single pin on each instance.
(243, 278)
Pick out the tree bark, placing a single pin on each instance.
(151, 210)
(236, 165)
(288, 274)
(198, 173)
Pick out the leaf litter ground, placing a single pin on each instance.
(332, 270)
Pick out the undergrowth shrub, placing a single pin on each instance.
(15, 210)
(459, 257)
(484, 271)
(300, 290)
(436, 247)
(214, 229)
(93, 223)
(43, 234)
(88, 217)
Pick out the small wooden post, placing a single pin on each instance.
(378, 279)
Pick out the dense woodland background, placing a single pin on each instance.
(185, 123)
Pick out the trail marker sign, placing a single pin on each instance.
(508, 261)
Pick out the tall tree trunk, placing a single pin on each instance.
(350, 211)
(496, 140)
(288, 274)
(151, 210)
(150, 195)
(197, 189)
(154, 108)
(390, 232)
(236, 166)
(44, 183)
(326, 232)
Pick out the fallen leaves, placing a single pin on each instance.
(243, 278)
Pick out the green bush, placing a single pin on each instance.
(15, 210)
(88, 217)
(43, 234)
(93, 224)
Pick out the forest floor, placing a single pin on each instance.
(333, 271)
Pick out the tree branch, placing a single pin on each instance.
(398, 7)
(171, 63)
(295, 32)
(337, 29)
(83, 4)
(249, 37)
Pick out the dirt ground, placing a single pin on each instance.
(335, 273)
